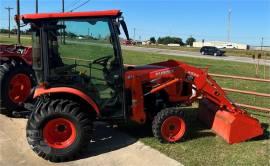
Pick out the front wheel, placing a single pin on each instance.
(16, 82)
(169, 125)
(58, 130)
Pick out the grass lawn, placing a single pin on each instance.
(201, 146)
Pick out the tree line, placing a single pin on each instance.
(172, 40)
(14, 31)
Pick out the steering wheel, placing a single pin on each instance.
(103, 61)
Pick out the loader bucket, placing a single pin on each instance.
(232, 127)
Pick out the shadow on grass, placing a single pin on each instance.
(266, 133)
(195, 128)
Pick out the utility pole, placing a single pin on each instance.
(63, 6)
(18, 23)
(36, 6)
(134, 33)
(262, 44)
(8, 8)
(264, 67)
(229, 25)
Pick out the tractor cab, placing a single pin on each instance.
(81, 51)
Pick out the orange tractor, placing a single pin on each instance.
(81, 78)
(16, 77)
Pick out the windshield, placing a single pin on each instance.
(84, 39)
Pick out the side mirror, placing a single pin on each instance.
(124, 26)
(17, 18)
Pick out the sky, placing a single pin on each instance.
(201, 19)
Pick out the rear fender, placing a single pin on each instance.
(67, 91)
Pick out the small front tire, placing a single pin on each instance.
(169, 125)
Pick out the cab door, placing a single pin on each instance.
(92, 45)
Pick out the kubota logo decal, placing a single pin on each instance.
(193, 74)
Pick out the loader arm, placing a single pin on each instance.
(208, 88)
(217, 111)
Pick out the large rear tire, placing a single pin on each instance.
(16, 82)
(169, 125)
(58, 130)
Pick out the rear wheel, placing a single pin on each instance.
(58, 130)
(16, 81)
(169, 125)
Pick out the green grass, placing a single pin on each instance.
(201, 146)
(25, 40)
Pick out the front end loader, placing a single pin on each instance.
(78, 63)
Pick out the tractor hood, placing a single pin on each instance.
(144, 69)
(153, 71)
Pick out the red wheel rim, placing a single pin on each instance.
(173, 128)
(19, 88)
(59, 133)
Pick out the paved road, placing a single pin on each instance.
(194, 54)
(110, 148)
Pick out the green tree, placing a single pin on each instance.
(170, 40)
(153, 40)
(190, 41)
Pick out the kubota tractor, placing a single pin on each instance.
(16, 76)
(81, 77)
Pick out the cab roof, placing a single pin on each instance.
(43, 16)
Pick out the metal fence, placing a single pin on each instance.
(266, 95)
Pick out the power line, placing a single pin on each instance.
(74, 3)
(81, 5)
(8, 8)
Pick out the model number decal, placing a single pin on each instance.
(164, 72)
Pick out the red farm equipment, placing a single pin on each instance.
(16, 76)
(72, 93)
